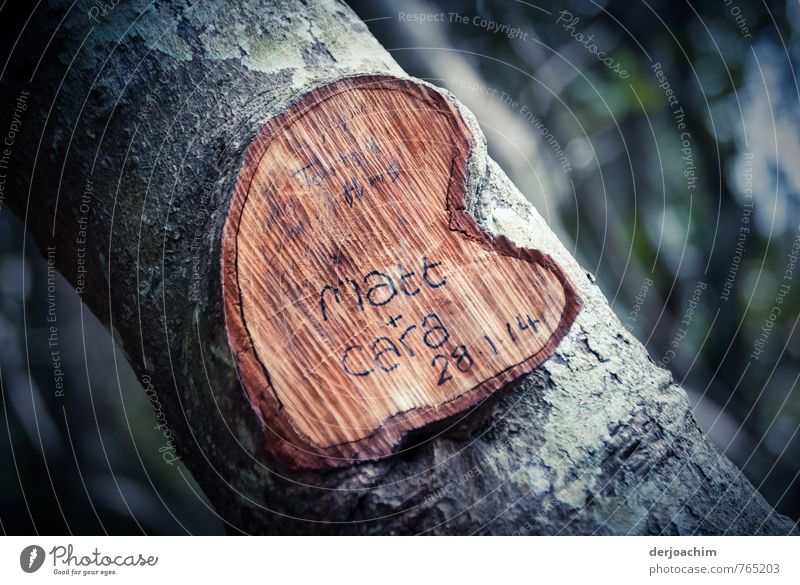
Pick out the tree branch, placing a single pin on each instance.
(131, 146)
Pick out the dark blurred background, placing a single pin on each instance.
(686, 212)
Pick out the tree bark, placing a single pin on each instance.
(133, 131)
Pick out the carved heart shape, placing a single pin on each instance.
(362, 302)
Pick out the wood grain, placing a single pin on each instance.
(362, 302)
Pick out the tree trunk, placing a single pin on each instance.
(132, 127)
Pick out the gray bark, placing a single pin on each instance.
(155, 104)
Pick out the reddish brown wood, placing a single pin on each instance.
(354, 280)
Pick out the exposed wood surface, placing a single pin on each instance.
(363, 302)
